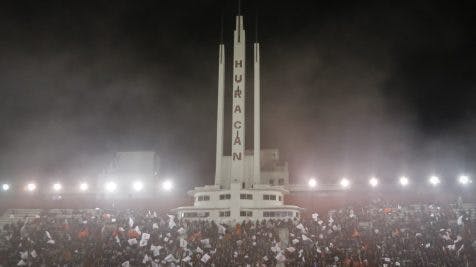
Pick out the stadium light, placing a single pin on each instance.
(111, 187)
(5, 187)
(83, 187)
(373, 182)
(57, 186)
(167, 185)
(138, 185)
(434, 180)
(345, 183)
(403, 181)
(312, 182)
(31, 187)
(464, 180)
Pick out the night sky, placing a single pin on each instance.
(356, 89)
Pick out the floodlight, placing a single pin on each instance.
(434, 180)
(83, 186)
(312, 182)
(344, 183)
(111, 187)
(464, 180)
(373, 182)
(167, 185)
(31, 187)
(404, 181)
(5, 187)
(138, 185)
(57, 187)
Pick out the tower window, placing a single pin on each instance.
(203, 198)
(246, 196)
(246, 213)
(224, 213)
(225, 196)
(281, 181)
(271, 181)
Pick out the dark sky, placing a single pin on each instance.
(352, 89)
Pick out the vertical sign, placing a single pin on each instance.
(238, 111)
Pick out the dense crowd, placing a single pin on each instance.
(375, 234)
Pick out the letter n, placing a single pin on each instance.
(236, 156)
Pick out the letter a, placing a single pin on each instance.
(237, 109)
(237, 141)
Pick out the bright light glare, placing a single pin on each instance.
(404, 181)
(167, 185)
(138, 185)
(373, 182)
(464, 180)
(57, 187)
(434, 180)
(312, 182)
(5, 187)
(83, 186)
(344, 183)
(111, 187)
(31, 187)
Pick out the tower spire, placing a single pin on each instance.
(256, 109)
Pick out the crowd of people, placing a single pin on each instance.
(374, 234)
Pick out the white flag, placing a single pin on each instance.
(170, 258)
(24, 255)
(143, 243)
(183, 243)
(131, 223)
(125, 264)
(48, 234)
(132, 241)
(205, 258)
(280, 257)
(199, 250)
(146, 259)
(145, 236)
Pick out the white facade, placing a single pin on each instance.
(246, 186)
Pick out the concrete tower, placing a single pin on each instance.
(257, 115)
(220, 112)
(241, 190)
(238, 110)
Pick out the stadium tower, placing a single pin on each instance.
(245, 185)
